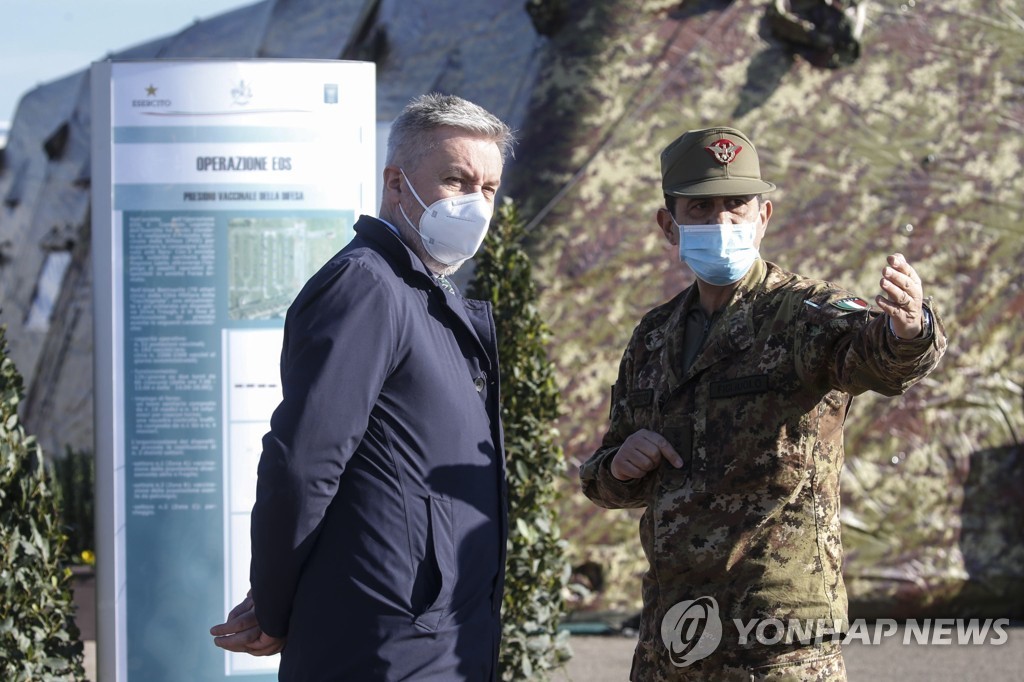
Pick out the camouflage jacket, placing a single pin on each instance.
(752, 517)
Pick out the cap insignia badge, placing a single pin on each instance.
(725, 151)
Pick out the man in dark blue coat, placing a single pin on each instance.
(378, 533)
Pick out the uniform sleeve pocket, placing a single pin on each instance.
(441, 546)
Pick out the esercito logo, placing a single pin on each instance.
(691, 630)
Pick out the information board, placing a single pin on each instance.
(219, 188)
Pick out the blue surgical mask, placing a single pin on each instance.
(718, 254)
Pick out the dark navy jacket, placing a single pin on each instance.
(378, 533)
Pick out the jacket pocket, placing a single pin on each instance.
(441, 550)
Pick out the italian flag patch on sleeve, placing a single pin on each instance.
(851, 304)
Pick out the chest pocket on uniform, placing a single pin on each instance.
(678, 431)
(754, 435)
(641, 403)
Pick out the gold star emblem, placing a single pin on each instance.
(150, 91)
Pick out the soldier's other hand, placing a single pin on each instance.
(641, 453)
(904, 299)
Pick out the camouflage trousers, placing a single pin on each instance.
(823, 663)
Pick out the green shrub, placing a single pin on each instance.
(38, 636)
(537, 570)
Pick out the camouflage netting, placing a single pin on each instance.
(915, 147)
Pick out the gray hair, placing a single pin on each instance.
(428, 112)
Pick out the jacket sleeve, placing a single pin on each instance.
(338, 350)
(856, 352)
(595, 474)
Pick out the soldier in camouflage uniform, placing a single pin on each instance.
(727, 426)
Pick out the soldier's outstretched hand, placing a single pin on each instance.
(904, 299)
(642, 452)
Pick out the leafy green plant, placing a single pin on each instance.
(38, 636)
(537, 571)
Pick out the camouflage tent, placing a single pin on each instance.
(915, 146)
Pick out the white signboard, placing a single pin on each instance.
(219, 188)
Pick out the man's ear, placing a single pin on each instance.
(392, 178)
(667, 225)
(766, 211)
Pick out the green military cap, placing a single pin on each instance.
(712, 162)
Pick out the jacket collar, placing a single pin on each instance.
(731, 333)
(474, 315)
(376, 230)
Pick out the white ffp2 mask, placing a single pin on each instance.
(453, 228)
